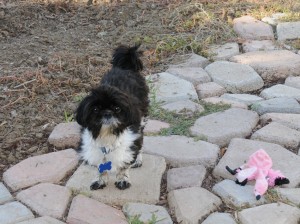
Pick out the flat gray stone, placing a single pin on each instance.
(145, 212)
(250, 28)
(277, 105)
(183, 177)
(289, 120)
(65, 135)
(209, 89)
(259, 45)
(278, 213)
(280, 90)
(292, 82)
(273, 19)
(243, 98)
(88, 211)
(223, 52)
(169, 88)
(155, 126)
(239, 151)
(193, 60)
(5, 196)
(195, 75)
(216, 217)
(235, 78)
(145, 185)
(42, 220)
(219, 128)
(51, 167)
(271, 65)
(183, 107)
(278, 134)
(232, 103)
(14, 212)
(288, 31)
(170, 147)
(236, 195)
(185, 203)
(46, 199)
(291, 194)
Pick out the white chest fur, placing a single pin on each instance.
(119, 146)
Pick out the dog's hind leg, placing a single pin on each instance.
(123, 178)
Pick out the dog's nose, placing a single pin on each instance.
(107, 114)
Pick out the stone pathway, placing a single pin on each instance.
(196, 188)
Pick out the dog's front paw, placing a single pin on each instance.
(122, 184)
(97, 185)
(137, 164)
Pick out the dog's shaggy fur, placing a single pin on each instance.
(111, 117)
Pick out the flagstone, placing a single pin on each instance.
(182, 151)
(5, 196)
(248, 27)
(234, 77)
(195, 75)
(169, 88)
(46, 199)
(65, 135)
(51, 167)
(185, 203)
(278, 213)
(145, 185)
(14, 212)
(278, 134)
(88, 211)
(277, 105)
(272, 66)
(219, 128)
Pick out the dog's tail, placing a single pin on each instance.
(127, 58)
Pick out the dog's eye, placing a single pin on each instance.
(117, 109)
(96, 110)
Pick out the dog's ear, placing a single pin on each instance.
(83, 111)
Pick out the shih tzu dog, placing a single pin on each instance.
(112, 117)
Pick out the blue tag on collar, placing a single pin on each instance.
(104, 166)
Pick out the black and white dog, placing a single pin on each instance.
(112, 116)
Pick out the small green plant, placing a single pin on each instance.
(69, 117)
(136, 220)
(178, 44)
(77, 98)
(180, 122)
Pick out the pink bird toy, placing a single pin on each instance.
(259, 168)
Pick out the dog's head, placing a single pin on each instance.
(107, 107)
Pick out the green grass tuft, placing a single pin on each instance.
(180, 123)
(136, 220)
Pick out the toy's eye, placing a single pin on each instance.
(117, 109)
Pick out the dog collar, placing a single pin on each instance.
(106, 165)
(105, 150)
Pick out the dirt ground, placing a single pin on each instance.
(54, 52)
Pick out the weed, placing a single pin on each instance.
(79, 97)
(136, 220)
(291, 17)
(273, 195)
(69, 117)
(200, 138)
(180, 123)
(294, 43)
